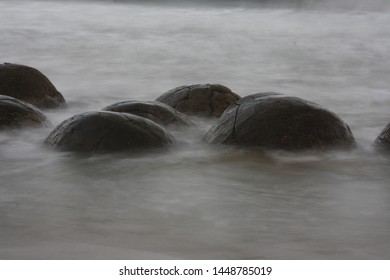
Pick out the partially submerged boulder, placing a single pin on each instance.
(153, 110)
(108, 131)
(276, 121)
(383, 140)
(29, 85)
(207, 100)
(15, 113)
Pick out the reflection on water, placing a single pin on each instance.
(195, 200)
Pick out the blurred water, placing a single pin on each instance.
(197, 201)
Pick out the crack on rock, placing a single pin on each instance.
(107, 133)
(168, 94)
(235, 123)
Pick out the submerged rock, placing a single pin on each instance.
(208, 100)
(16, 113)
(152, 110)
(108, 131)
(383, 140)
(29, 85)
(276, 121)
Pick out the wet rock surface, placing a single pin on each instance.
(276, 121)
(203, 100)
(108, 131)
(153, 110)
(15, 113)
(383, 140)
(29, 85)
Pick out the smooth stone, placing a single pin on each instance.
(30, 85)
(153, 110)
(108, 131)
(15, 113)
(383, 139)
(275, 121)
(202, 100)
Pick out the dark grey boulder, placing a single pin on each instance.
(29, 85)
(153, 110)
(15, 113)
(208, 100)
(108, 131)
(276, 121)
(383, 140)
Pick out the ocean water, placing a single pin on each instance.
(198, 201)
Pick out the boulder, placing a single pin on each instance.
(383, 140)
(208, 100)
(15, 113)
(275, 121)
(153, 110)
(108, 131)
(28, 84)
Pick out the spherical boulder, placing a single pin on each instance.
(108, 131)
(208, 100)
(153, 110)
(29, 85)
(383, 140)
(15, 113)
(276, 121)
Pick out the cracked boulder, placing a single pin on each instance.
(15, 113)
(276, 121)
(153, 110)
(208, 100)
(383, 140)
(29, 85)
(108, 131)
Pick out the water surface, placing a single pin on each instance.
(197, 201)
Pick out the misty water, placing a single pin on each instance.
(195, 200)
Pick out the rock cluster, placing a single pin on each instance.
(267, 120)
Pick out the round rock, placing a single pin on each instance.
(29, 85)
(108, 131)
(152, 110)
(383, 140)
(208, 100)
(275, 121)
(15, 113)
